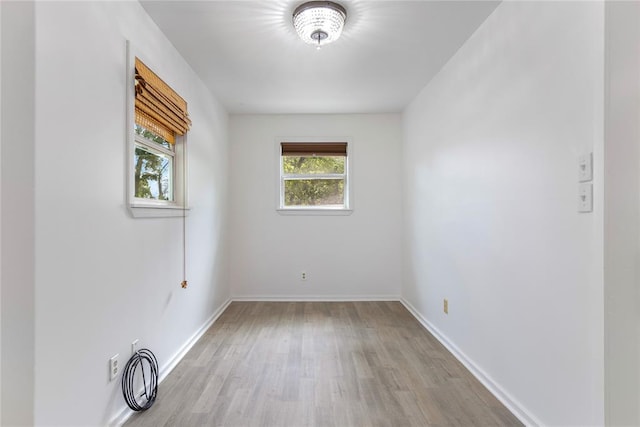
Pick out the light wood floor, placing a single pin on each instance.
(321, 364)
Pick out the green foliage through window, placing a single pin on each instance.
(314, 181)
(153, 166)
(317, 164)
(152, 175)
(314, 192)
(147, 134)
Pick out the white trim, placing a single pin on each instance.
(150, 211)
(314, 298)
(177, 357)
(494, 388)
(155, 146)
(302, 176)
(120, 418)
(314, 211)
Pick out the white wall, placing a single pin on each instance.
(355, 256)
(490, 169)
(0, 214)
(17, 245)
(622, 213)
(103, 278)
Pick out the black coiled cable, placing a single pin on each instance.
(128, 376)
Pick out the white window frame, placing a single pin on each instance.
(151, 208)
(158, 150)
(316, 210)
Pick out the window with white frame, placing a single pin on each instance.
(314, 175)
(154, 160)
(158, 147)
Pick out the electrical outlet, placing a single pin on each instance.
(585, 167)
(134, 346)
(585, 197)
(446, 306)
(303, 275)
(114, 368)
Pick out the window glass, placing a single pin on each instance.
(314, 192)
(153, 174)
(147, 134)
(316, 164)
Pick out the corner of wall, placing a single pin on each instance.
(17, 246)
(622, 213)
(502, 395)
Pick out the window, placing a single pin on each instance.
(154, 159)
(314, 176)
(159, 124)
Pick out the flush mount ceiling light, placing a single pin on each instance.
(319, 22)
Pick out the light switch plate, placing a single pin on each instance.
(585, 167)
(585, 197)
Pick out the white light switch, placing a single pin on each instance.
(585, 167)
(585, 197)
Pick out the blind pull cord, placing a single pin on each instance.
(184, 283)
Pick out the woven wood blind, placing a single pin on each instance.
(158, 107)
(314, 148)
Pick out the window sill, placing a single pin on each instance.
(314, 211)
(157, 211)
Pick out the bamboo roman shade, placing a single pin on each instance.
(314, 148)
(158, 107)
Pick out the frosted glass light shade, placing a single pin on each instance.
(319, 22)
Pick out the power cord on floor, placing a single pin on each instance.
(128, 377)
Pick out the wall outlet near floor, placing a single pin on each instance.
(303, 275)
(134, 346)
(114, 368)
(445, 306)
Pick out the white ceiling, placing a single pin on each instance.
(250, 56)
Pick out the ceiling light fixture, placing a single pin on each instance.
(319, 22)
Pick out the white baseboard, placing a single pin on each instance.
(177, 357)
(503, 396)
(314, 298)
(120, 418)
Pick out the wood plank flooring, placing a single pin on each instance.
(321, 364)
